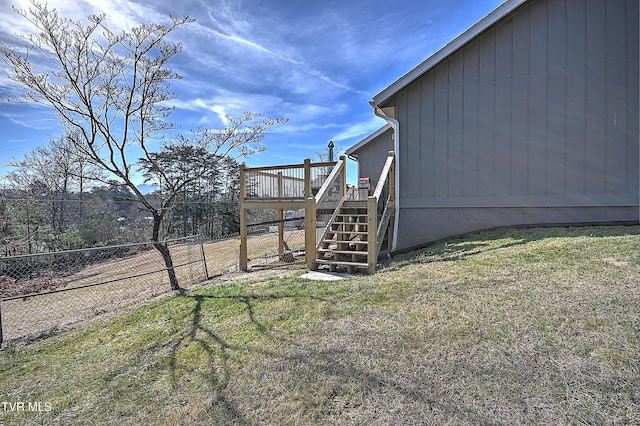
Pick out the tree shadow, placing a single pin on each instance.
(307, 363)
(218, 351)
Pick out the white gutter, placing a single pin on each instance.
(396, 148)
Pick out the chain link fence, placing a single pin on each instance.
(46, 292)
(263, 243)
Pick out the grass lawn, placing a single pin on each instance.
(534, 326)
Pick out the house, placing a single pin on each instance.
(529, 117)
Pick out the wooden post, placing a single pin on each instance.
(392, 200)
(307, 179)
(244, 260)
(372, 231)
(310, 233)
(343, 158)
(280, 220)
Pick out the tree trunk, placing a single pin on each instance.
(168, 263)
(163, 249)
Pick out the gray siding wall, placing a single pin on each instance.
(539, 111)
(372, 157)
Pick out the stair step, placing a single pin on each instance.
(345, 241)
(352, 252)
(348, 223)
(337, 231)
(341, 262)
(354, 205)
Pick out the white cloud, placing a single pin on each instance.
(226, 102)
(308, 127)
(360, 130)
(242, 42)
(36, 119)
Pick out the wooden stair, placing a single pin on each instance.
(345, 242)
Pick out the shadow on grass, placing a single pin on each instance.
(467, 245)
(323, 373)
(218, 351)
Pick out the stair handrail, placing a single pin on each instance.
(378, 226)
(383, 224)
(311, 243)
(384, 175)
(328, 183)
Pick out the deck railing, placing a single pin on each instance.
(286, 182)
(282, 187)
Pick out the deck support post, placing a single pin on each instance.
(310, 233)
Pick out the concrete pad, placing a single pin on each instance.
(325, 276)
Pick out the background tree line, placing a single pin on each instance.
(54, 201)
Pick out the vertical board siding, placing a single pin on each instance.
(486, 114)
(616, 126)
(371, 160)
(486, 132)
(633, 123)
(454, 136)
(538, 36)
(595, 141)
(576, 33)
(558, 34)
(596, 31)
(441, 105)
(633, 36)
(537, 134)
(520, 124)
(414, 130)
(521, 44)
(470, 145)
(427, 138)
(557, 150)
(543, 103)
(576, 129)
(616, 36)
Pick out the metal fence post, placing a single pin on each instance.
(204, 261)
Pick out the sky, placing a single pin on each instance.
(317, 63)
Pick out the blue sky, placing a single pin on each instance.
(317, 63)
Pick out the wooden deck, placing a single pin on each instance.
(321, 190)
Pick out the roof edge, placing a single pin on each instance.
(486, 22)
(366, 140)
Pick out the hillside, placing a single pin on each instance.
(535, 326)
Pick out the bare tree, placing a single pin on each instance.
(59, 167)
(111, 93)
